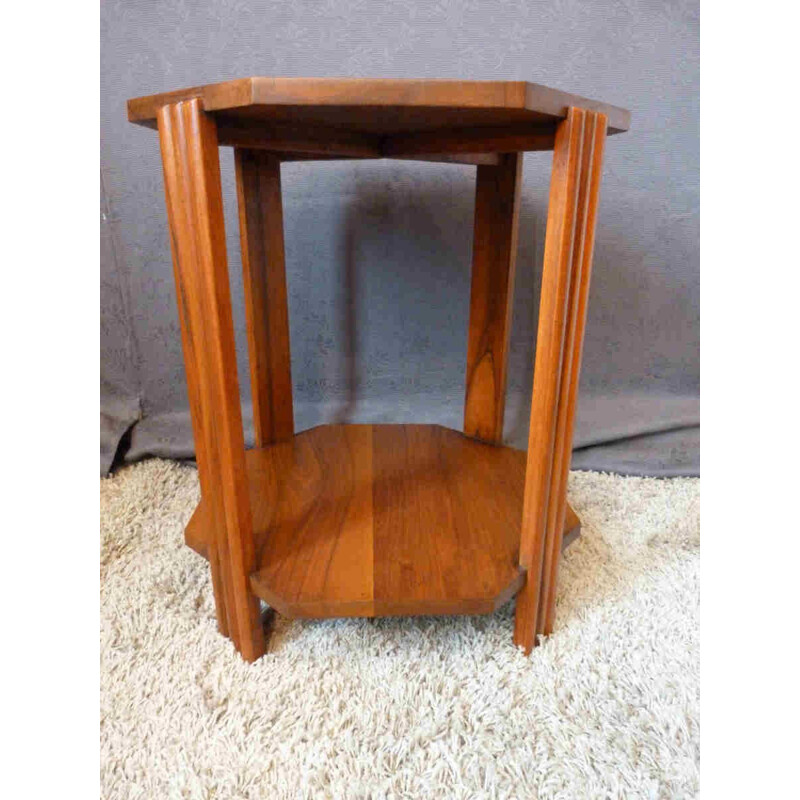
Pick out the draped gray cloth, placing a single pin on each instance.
(378, 253)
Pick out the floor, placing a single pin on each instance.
(608, 706)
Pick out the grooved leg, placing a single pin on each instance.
(191, 341)
(194, 206)
(577, 163)
(583, 250)
(258, 180)
(494, 253)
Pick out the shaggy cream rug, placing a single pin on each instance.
(405, 708)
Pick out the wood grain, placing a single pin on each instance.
(476, 159)
(194, 203)
(379, 520)
(381, 106)
(184, 253)
(582, 253)
(553, 310)
(443, 158)
(262, 492)
(258, 183)
(314, 526)
(510, 138)
(292, 138)
(494, 253)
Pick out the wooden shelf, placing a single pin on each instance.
(381, 520)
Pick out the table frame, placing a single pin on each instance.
(189, 145)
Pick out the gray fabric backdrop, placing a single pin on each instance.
(378, 253)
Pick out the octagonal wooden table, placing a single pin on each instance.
(373, 520)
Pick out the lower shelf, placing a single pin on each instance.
(383, 520)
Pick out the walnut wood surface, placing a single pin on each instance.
(379, 107)
(378, 520)
(293, 138)
(444, 158)
(494, 254)
(258, 183)
(193, 191)
(510, 138)
(582, 252)
(476, 159)
(197, 531)
(570, 226)
(183, 251)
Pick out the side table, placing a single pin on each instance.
(377, 520)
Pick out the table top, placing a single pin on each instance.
(379, 106)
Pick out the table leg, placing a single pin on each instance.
(258, 181)
(569, 244)
(194, 205)
(494, 252)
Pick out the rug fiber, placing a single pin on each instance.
(422, 707)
